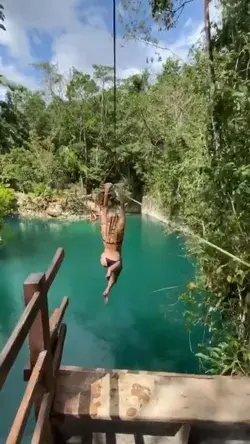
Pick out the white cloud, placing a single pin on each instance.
(185, 41)
(80, 38)
(16, 39)
(88, 45)
(188, 23)
(216, 12)
(11, 72)
(47, 15)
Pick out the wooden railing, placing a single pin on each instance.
(46, 340)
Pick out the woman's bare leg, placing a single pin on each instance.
(107, 187)
(106, 292)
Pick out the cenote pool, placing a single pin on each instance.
(140, 328)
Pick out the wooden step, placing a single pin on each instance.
(124, 396)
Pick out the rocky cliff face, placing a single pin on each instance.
(68, 204)
(152, 206)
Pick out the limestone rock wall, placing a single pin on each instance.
(152, 206)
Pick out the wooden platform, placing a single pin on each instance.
(151, 397)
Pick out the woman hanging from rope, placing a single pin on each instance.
(112, 230)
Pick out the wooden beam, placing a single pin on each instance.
(18, 337)
(39, 335)
(19, 423)
(55, 322)
(148, 397)
(54, 267)
(35, 282)
(44, 413)
(40, 435)
(56, 319)
(59, 349)
(66, 370)
(39, 338)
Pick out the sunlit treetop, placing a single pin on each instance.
(167, 12)
(138, 16)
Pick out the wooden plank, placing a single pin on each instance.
(33, 283)
(54, 267)
(39, 335)
(59, 349)
(55, 322)
(39, 338)
(19, 423)
(56, 319)
(48, 380)
(18, 337)
(45, 323)
(153, 398)
(41, 432)
(66, 370)
(45, 409)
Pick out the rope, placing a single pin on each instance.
(187, 232)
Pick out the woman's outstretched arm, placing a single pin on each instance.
(107, 187)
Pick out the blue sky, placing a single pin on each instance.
(78, 33)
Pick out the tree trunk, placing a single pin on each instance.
(212, 78)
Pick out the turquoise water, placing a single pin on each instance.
(140, 328)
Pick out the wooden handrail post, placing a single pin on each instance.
(39, 335)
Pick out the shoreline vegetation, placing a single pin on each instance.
(71, 205)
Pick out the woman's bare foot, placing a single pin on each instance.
(106, 296)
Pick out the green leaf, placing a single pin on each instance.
(203, 357)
